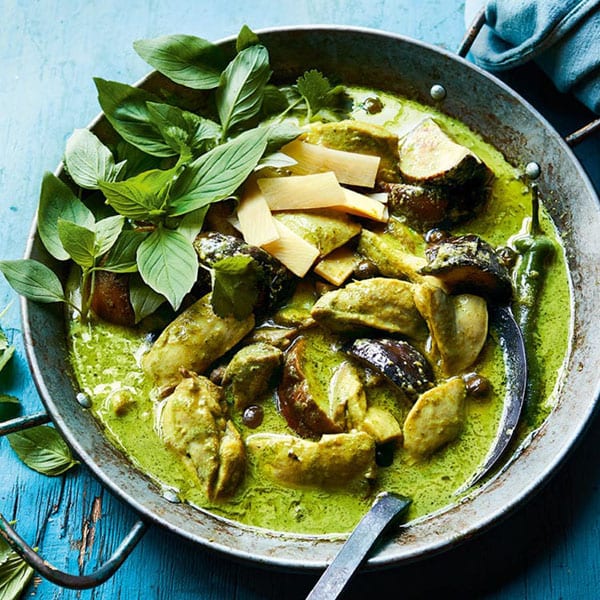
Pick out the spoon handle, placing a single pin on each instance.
(386, 510)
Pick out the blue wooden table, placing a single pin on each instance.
(49, 52)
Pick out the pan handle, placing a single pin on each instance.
(465, 45)
(34, 560)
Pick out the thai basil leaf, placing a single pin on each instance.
(107, 231)
(144, 299)
(125, 108)
(10, 407)
(274, 101)
(88, 160)
(187, 133)
(33, 280)
(167, 262)
(57, 202)
(43, 450)
(135, 160)
(15, 573)
(240, 94)
(281, 134)
(246, 38)
(218, 173)
(79, 242)
(185, 59)
(141, 197)
(6, 350)
(192, 222)
(235, 286)
(122, 256)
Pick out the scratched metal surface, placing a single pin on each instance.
(49, 52)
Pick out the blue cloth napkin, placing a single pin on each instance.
(561, 36)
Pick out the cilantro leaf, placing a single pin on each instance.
(318, 92)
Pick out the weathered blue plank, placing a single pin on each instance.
(49, 52)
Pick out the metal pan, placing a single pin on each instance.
(414, 69)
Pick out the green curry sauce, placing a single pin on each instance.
(106, 362)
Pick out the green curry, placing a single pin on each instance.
(107, 362)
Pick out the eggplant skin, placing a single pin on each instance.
(110, 298)
(401, 363)
(277, 281)
(467, 264)
(296, 402)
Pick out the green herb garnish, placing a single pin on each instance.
(43, 450)
(15, 573)
(168, 165)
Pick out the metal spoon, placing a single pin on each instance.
(389, 508)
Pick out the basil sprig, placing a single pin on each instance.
(167, 167)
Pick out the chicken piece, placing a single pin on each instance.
(249, 372)
(325, 229)
(334, 461)
(193, 341)
(381, 425)
(347, 398)
(436, 418)
(458, 326)
(379, 302)
(392, 258)
(193, 422)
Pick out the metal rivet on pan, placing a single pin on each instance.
(532, 170)
(437, 92)
(84, 400)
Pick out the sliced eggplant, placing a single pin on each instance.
(277, 281)
(110, 299)
(304, 402)
(427, 206)
(458, 326)
(400, 362)
(429, 156)
(468, 264)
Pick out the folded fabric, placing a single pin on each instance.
(561, 36)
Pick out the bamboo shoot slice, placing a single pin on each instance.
(337, 266)
(292, 250)
(363, 206)
(302, 191)
(351, 168)
(254, 216)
